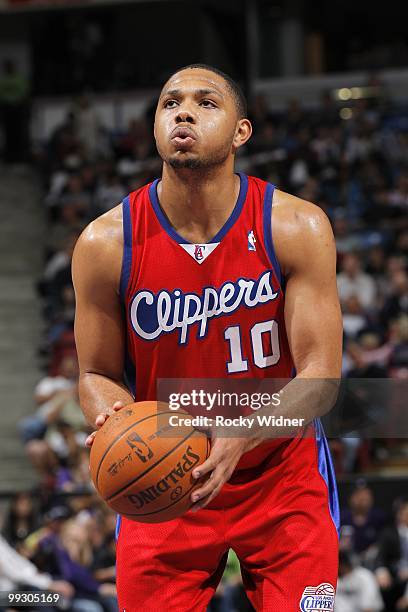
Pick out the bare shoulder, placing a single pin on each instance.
(300, 230)
(104, 232)
(100, 246)
(294, 215)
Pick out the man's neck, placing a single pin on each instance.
(198, 203)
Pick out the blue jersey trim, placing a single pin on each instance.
(129, 368)
(127, 248)
(118, 524)
(326, 470)
(130, 373)
(164, 222)
(267, 227)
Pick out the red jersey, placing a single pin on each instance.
(210, 310)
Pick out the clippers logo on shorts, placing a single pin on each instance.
(140, 447)
(318, 599)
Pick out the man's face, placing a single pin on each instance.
(196, 120)
(361, 500)
(351, 264)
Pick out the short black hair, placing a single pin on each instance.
(235, 89)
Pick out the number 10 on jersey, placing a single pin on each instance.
(239, 362)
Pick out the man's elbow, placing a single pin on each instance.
(90, 374)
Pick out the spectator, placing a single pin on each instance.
(136, 142)
(73, 477)
(392, 560)
(398, 366)
(75, 197)
(65, 380)
(34, 427)
(54, 436)
(365, 520)
(397, 303)
(376, 267)
(17, 572)
(346, 241)
(89, 129)
(63, 144)
(67, 553)
(357, 294)
(110, 193)
(357, 588)
(397, 197)
(370, 356)
(401, 246)
(21, 519)
(104, 562)
(353, 283)
(57, 262)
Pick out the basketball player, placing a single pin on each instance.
(269, 258)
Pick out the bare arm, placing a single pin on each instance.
(305, 248)
(99, 326)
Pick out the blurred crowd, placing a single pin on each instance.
(65, 547)
(69, 549)
(354, 166)
(373, 564)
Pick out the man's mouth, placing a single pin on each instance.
(183, 138)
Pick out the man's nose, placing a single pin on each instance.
(184, 116)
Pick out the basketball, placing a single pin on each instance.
(142, 466)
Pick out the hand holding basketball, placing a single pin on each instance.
(142, 465)
(224, 456)
(100, 420)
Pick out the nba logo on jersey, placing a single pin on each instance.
(199, 251)
(318, 599)
(251, 241)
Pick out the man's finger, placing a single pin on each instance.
(118, 405)
(206, 467)
(100, 419)
(207, 499)
(217, 477)
(90, 439)
(212, 461)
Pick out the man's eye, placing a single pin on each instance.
(170, 104)
(208, 103)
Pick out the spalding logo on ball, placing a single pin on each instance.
(142, 467)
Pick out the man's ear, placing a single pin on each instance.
(243, 133)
